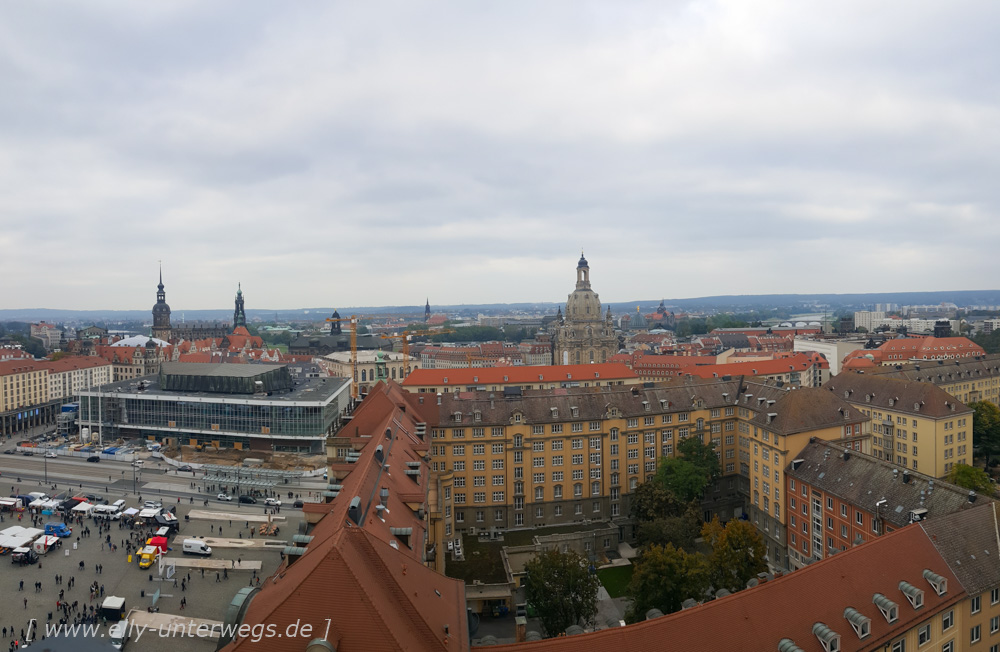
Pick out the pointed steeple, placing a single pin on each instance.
(239, 314)
(427, 310)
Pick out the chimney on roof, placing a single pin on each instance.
(895, 473)
(380, 512)
(906, 477)
(383, 495)
(847, 454)
(972, 496)
(354, 511)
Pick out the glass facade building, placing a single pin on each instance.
(296, 419)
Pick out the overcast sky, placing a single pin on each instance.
(338, 154)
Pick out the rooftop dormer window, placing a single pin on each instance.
(913, 594)
(829, 639)
(938, 583)
(861, 624)
(888, 608)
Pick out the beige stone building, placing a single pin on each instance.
(584, 335)
(372, 367)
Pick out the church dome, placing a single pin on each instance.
(161, 309)
(583, 261)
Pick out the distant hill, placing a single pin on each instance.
(737, 303)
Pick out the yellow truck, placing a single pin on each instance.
(147, 556)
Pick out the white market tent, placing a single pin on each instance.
(83, 508)
(20, 539)
(131, 511)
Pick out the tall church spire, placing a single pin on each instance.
(427, 310)
(239, 315)
(161, 312)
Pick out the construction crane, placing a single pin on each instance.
(405, 337)
(354, 321)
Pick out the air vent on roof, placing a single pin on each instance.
(354, 511)
(379, 455)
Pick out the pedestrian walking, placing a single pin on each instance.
(217, 576)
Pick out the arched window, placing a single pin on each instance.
(394, 373)
(592, 357)
(363, 376)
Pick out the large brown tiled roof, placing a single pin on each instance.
(800, 410)
(863, 480)
(362, 571)
(789, 606)
(943, 372)
(916, 398)
(969, 544)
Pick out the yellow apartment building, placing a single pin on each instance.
(915, 424)
(24, 389)
(561, 456)
(967, 379)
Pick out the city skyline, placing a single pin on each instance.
(347, 155)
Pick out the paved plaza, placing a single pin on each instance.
(213, 581)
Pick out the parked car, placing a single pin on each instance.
(185, 468)
(27, 453)
(9, 451)
(94, 498)
(137, 463)
(250, 500)
(94, 458)
(224, 497)
(298, 504)
(51, 455)
(273, 502)
(152, 504)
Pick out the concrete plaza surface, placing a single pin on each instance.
(208, 592)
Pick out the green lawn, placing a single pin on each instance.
(615, 579)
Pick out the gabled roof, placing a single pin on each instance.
(970, 544)
(800, 410)
(362, 569)
(518, 375)
(864, 480)
(878, 391)
(789, 606)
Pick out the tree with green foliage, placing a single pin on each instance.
(562, 590)
(678, 531)
(664, 578)
(986, 428)
(652, 500)
(971, 477)
(687, 476)
(738, 552)
(990, 342)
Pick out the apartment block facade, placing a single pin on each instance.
(838, 499)
(551, 457)
(916, 425)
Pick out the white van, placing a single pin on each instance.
(196, 547)
(119, 504)
(109, 512)
(118, 633)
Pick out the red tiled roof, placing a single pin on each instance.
(790, 364)
(517, 375)
(73, 362)
(789, 606)
(18, 366)
(366, 578)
